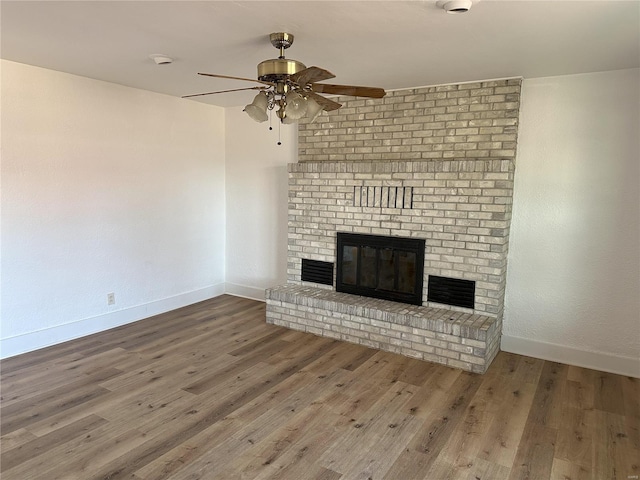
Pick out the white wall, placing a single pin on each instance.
(573, 283)
(104, 189)
(256, 186)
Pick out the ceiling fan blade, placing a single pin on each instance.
(351, 90)
(235, 78)
(224, 91)
(326, 104)
(311, 75)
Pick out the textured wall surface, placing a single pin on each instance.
(256, 203)
(573, 277)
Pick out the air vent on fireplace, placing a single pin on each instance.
(451, 291)
(317, 272)
(383, 197)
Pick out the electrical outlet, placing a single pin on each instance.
(111, 298)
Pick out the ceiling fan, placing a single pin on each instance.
(292, 87)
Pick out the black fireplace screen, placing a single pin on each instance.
(391, 268)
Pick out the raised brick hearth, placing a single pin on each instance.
(460, 340)
(405, 166)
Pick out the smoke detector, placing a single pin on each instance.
(161, 59)
(455, 6)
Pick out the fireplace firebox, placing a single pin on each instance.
(391, 268)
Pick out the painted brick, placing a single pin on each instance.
(323, 312)
(459, 138)
(420, 113)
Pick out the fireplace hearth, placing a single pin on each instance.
(390, 268)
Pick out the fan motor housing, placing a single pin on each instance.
(278, 69)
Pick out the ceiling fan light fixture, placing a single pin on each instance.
(257, 109)
(290, 89)
(296, 105)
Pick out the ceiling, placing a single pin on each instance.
(390, 44)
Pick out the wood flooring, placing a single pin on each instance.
(211, 391)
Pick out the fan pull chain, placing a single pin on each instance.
(279, 129)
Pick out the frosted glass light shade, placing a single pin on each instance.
(314, 109)
(296, 106)
(257, 109)
(288, 120)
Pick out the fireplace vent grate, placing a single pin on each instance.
(383, 197)
(451, 291)
(317, 272)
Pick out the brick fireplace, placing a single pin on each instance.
(434, 163)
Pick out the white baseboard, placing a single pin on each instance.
(252, 293)
(605, 362)
(61, 333)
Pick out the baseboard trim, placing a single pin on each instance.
(46, 337)
(252, 293)
(605, 362)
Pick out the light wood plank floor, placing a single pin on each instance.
(211, 391)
